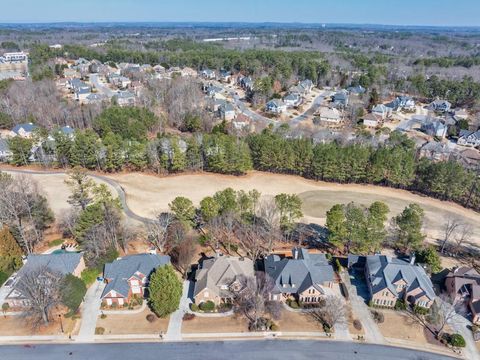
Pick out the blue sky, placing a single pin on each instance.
(397, 12)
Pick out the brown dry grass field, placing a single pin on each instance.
(399, 326)
(19, 326)
(148, 194)
(132, 324)
(229, 324)
(297, 322)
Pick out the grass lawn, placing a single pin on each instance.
(132, 324)
(400, 326)
(297, 322)
(214, 325)
(19, 326)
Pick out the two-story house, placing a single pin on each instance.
(276, 106)
(463, 284)
(391, 279)
(128, 277)
(305, 277)
(63, 264)
(216, 278)
(469, 138)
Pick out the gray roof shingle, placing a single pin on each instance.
(295, 275)
(119, 271)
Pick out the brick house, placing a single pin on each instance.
(391, 279)
(463, 284)
(63, 264)
(128, 277)
(216, 277)
(305, 277)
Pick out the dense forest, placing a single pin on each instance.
(112, 147)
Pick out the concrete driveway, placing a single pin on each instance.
(174, 331)
(357, 291)
(90, 311)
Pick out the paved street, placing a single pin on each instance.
(232, 350)
(101, 87)
(90, 311)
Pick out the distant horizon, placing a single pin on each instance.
(292, 23)
(424, 13)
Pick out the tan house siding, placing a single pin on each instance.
(207, 295)
(384, 298)
(80, 267)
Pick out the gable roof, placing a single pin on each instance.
(221, 270)
(119, 271)
(27, 127)
(302, 271)
(384, 271)
(64, 263)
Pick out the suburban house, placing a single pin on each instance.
(23, 130)
(213, 90)
(435, 128)
(306, 85)
(63, 263)
(128, 277)
(402, 103)
(125, 98)
(246, 83)
(217, 277)
(329, 114)
(469, 158)
(356, 90)
(463, 284)
(276, 106)
(469, 138)
(292, 99)
(391, 279)
(94, 98)
(225, 76)
(440, 106)
(5, 152)
(227, 111)
(382, 110)
(77, 85)
(461, 114)
(340, 98)
(436, 151)
(372, 120)
(306, 277)
(82, 94)
(208, 74)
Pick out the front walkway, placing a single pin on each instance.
(461, 326)
(174, 332)
(90, 312)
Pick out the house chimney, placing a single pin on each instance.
(412, 258)
(295, 253)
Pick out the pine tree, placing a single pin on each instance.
(10, 252)
(165, 291)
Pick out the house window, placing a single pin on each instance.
(136, 289)
(134, 282)
(120, 301)
(109, 302)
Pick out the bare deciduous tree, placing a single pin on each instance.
(24, 209)
(183, 255)
(464, 235)
(449, 229)
(157, 231)
(251, 298)
(41, 289)
(331, 313)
